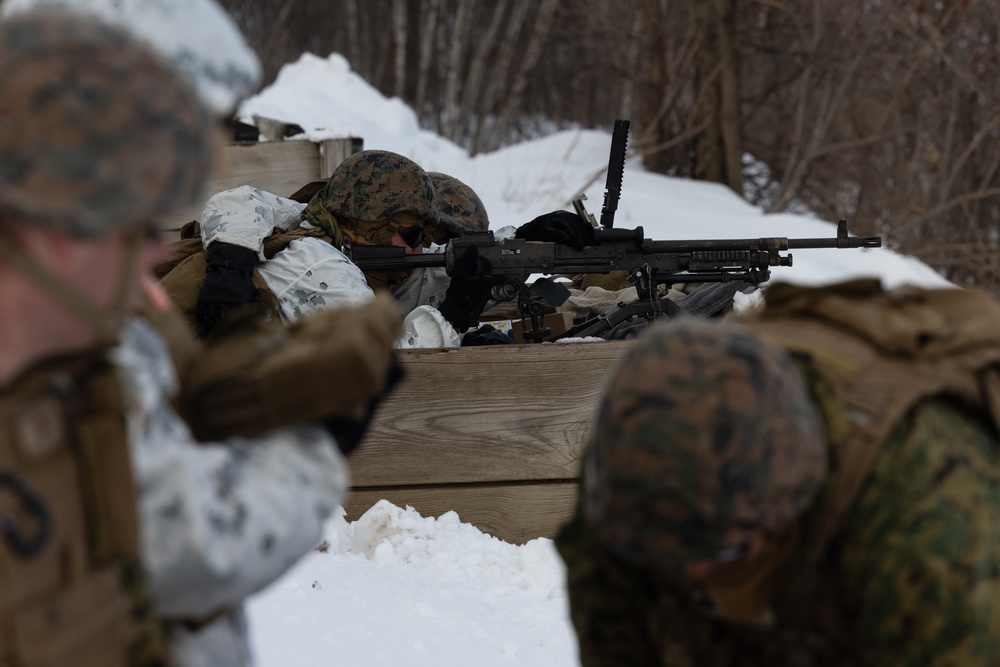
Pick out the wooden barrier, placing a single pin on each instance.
(494, 433)
(279, 167)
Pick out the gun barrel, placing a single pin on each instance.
(692, 245)
(839, 242)
(765, 243)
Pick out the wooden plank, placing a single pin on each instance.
(486, 414)
(334, 151)
(280, 167)
(512, 512)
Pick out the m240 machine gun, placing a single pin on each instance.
(649, 262)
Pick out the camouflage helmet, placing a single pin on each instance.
(459, 207)
(705, 438)
(372, 186)
(98, 133)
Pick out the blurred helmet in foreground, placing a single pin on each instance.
(459, 208)
(98, 134)
(705, 438)
(197, 37)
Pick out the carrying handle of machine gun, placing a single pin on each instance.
(581, 210)
(616, 170)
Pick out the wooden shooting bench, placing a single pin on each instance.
(494, 433)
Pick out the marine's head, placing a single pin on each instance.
(99, 135)
(376, 198)
(705, 440)
(100, 138)
(373, 193)
(459, 208)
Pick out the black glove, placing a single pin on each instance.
(486, 335)
(560, 227)
(469, 289)
(350, 432)
(228, 284)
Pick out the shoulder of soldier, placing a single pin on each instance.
(918, 556)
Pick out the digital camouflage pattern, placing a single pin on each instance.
(907, 573)
(373, 186)
(916, 570)
(98, 133)
(705, 438)
(459, 207)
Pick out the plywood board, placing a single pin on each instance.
(280, 167)
(486, 414)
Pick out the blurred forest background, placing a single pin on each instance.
(884, 112)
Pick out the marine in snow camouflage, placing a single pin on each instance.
(98, 133)
(706, 437)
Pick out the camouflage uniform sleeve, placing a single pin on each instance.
(245, 216)
(219, 521)
(920, 555)
(311, 275)
(608, 601)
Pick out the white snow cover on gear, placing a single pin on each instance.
(197, 37)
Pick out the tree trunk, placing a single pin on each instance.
(513, 101)
(470, 113)
(428, 29)
(457, 55)
(490, 100)
(718, 149)
(399, 26)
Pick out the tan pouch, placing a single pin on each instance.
(329, 364)
(80, 627)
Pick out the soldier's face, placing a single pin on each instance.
(411, 237)
(111, 278)
(102, 273)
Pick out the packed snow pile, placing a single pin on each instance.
(395, 587)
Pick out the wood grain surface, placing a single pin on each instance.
(278, 167)
(494, 433)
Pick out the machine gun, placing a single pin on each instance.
(649, 263)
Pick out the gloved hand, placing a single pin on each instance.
(486, 335)
(468, 291)
(560, 227)
(228, 284)
(328, 365)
